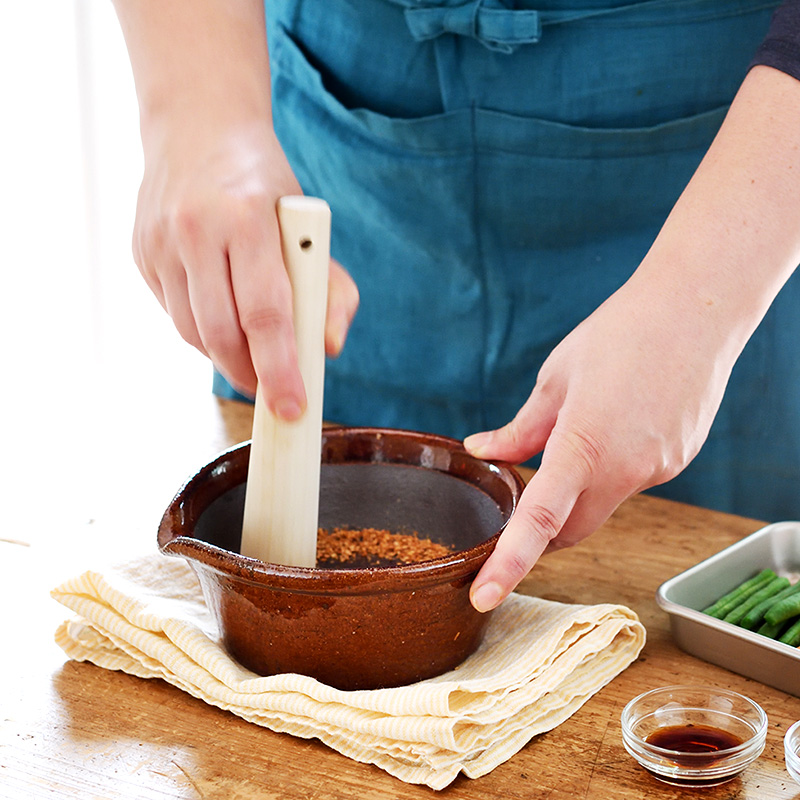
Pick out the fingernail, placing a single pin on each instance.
(477, 443)
(287, 408)
(487, 597)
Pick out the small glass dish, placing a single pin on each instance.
(791, 749)
(694, 735)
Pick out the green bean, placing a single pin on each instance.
(756, 615)
(792, 636)
(772, 588)
(730, 600)
(771, 631)
(785, 609)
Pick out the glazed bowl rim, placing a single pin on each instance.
(315, 580)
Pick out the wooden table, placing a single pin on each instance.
(72, 730)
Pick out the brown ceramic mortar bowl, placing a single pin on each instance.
(351, 628)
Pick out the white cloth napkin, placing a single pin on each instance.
(539, 662)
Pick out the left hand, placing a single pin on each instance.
(626, 400)
(623, 403)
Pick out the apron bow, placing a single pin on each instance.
(494, 26)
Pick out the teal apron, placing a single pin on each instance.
(494, 175)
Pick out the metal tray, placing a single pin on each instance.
(776, 546)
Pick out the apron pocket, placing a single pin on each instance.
(385, 181)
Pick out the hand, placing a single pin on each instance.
(627, 399)
(206, 240)
(623, 403)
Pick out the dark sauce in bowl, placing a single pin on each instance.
(693, 739)
(694, 746)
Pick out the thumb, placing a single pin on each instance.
(520, 439)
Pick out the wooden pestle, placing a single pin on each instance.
(282, 494)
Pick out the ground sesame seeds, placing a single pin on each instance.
(374, 547)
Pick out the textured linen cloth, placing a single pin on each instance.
(538, 663)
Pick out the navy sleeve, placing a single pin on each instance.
(781, 47)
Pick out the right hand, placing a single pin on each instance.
(207, 242)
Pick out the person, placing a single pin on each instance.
(582, 217)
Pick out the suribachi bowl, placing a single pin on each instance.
(351, 628)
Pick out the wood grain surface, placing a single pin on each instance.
(71, 730)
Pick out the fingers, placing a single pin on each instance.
(178, 305)
(227, 290)
(545, 520)
(609, 425)
(539, 517)
(573, 493)
(543, 510)
(343, 301)
(263, 298)
(266, 317)
(590, 511)
(525, 435)
(163, 271)
(147, 246)
(213, 308)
